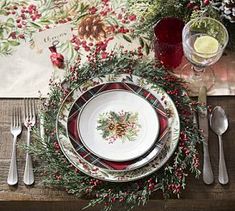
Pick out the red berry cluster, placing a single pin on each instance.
(173, 92)
(56, 146)
(206, 2)
(23, 14)
(182, 143)
(66, 20)
(30, 12)
(98, 47)
(175, 188)
(33, 12)
(92, 10)
(79, 43)
(14, 35)
(126, 18)
(193, 6)
(58, 177)
(11, 10)
(151, 184)
(123, 30)
(95, 182)
(123, 18)
(196, 162)
(102, 45)
(105, 1)
(179, 173)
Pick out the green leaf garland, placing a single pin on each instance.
(57, 172)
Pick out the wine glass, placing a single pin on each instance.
(168, 42)
(204, 40)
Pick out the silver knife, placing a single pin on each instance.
(208, 177)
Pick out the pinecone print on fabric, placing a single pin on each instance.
(228, 10)
(92, 27)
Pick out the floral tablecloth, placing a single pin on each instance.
(26, 68)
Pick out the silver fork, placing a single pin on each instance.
(16, 128)
(29, 122)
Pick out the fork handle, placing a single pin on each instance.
(13, 175)
(28, 171)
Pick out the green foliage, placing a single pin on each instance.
(151, 11)
(56, 171)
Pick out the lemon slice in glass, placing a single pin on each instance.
(206, 45)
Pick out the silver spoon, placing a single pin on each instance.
(219, 124)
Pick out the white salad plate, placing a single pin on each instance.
(118, 125)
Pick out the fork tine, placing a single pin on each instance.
(30, 108)
(20, 117)
(33, 106)
(25, 109)
(14, 117)
(27, 114)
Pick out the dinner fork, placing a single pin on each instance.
(16, 129)
(29, 122)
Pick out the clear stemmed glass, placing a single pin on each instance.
(204, 40)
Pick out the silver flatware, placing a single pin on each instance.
(219, 124)
(16, 128)
(208, 177)
(29, 122)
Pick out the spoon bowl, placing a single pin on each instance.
(218, 120)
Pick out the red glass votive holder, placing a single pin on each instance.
(168, 42)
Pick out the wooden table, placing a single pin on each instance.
(197, 195)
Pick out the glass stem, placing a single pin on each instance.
(198, 71)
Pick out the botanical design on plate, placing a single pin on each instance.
(116, 126)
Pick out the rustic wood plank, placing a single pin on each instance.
(153, 205)
(197, 196)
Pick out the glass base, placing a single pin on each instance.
(197, 78)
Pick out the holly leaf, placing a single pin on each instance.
(115, 116)
(5, 46)
(13, 42)
(35, 25)
(83, 8)
(1, 33)
(5, 49)
(3, 12)
(128, 116)
(112, 21)
(10, 22)
(147, 49)
(128, 39)
(3, 4)
(81, 16)
(141, 42)
(105, 134)
(45, 21)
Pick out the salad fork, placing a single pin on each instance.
(16, 129)
(29, 122)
